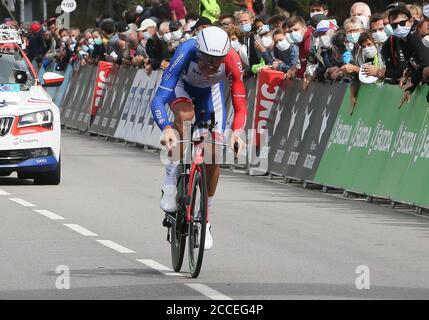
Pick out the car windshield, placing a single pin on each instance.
(14, 68)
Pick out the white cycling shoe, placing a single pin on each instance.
(168, 199)
(209, 239)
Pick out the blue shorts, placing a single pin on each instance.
(209, 100)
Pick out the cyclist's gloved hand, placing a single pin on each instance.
(169, 139)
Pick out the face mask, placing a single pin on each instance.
(98, 41)
(176, 35)
(326, 41)
(267, 42)
(66, 38)
(426, 11)
(350, 46)
(297, 36)
(85, 48)
(73, 39)
(147, 35)
(389, 30)
(283, 45)
(353, 37)
(236, 45)
(91, 41)
(245, 27)
(167, 37)
(364, 20)
(370, 52)
(425, 41)
(188, 36)
(402, 32)
(312, 14)
(380, 37)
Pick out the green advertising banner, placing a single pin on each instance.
(380, 150)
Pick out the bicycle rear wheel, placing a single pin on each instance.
(178, 230)
(197, 226)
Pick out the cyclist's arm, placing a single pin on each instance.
(169, 81)
(238, 92)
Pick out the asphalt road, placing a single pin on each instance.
(102, 226)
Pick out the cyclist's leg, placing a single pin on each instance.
(214, 101)
(182, 108)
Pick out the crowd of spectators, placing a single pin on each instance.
(390, 46)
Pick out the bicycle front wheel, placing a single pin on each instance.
(198, 223)
(178, 230)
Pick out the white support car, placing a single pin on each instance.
(30, 129)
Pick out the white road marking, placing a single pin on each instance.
(49, 214)
(155, 265)
(22, 202)
(81, 230)
(117, 247)
(4, 193)
(160, 268)
(208, 292)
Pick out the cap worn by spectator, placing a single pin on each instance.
(122, 27)
(146, 24)
(396, 4)
(174, 26)
(314, 21)
(326, 25)
(35, 27)
(202, 21)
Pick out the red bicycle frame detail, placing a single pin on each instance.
(196, 166)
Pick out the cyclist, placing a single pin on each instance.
(197, 71)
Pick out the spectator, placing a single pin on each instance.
(378, 29)
(99, 51)
(202, 23)
(362, 11)
(373, 62)
(210, 9)
(395, 52)
(130, 18)
(226, 21)
(249, 54)
(276, 22)
(156, 49)
(324, 62)
(35, 48)
(353, 28)
(416, 12)
(301, 35)
(286, 54)
(318, 7)
(178, 10)
(161, 10)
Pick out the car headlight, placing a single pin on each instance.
(40, 118)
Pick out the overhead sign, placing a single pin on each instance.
(68, 6)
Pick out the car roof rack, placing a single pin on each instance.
(9, 34)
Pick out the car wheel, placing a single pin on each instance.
(52, 178)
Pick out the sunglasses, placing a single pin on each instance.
(402, 23)
(210, 60)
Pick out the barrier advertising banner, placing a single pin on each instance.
(301, 126)
(267, 93)
(101, 82)
(380, 150)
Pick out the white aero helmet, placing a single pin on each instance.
(213, 41)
